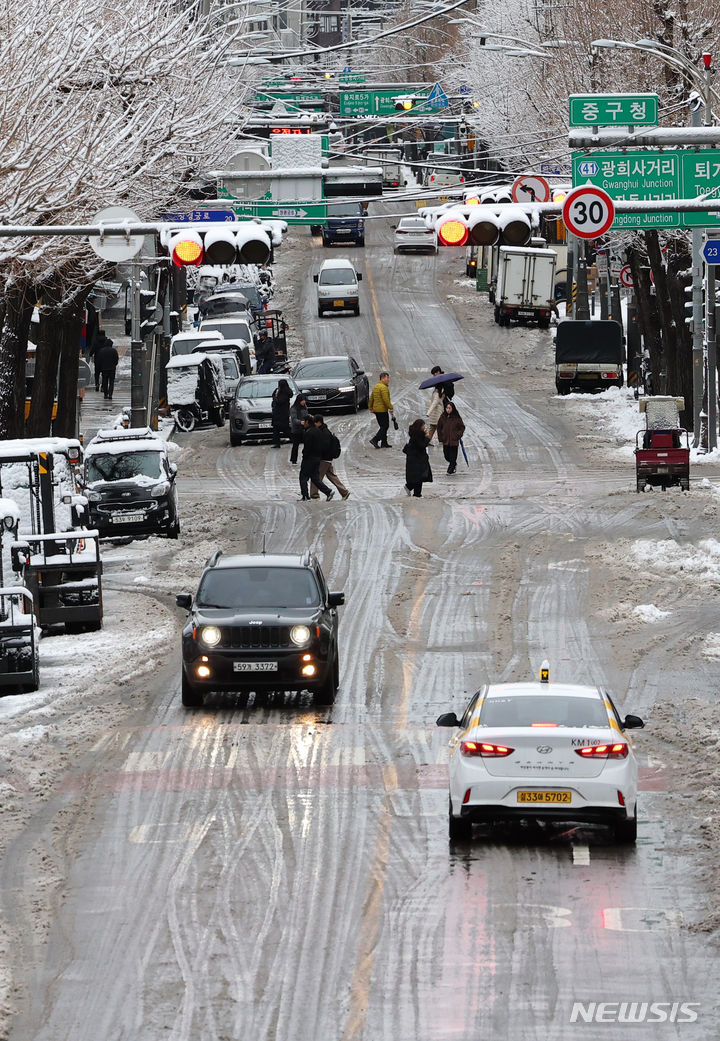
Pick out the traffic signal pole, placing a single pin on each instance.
(138, 353)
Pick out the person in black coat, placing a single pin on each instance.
(417, 464)
(106, 362)
(281, 398)
(99, 340)
(298, 412)
(264, 352)
(313, 449)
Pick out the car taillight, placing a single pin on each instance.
(618, 751)
(487, 751)
(608, 375)
(432, 177)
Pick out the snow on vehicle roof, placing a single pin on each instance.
(118, 442)
(185, 361)
(27, 445)
(209, 334)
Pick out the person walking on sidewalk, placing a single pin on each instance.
(326, 468)
(313, 450)
(380, 404)
(281, 398)
(417, 464)
(450, 429)
(298, 412)
(106, 361)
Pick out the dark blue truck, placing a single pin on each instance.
(344, 223)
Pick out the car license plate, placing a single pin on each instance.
(544, 797)
(264, 426)
(338, 303)
(255, 666)
(127, 518)
(316, 397)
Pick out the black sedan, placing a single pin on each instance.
(332, 381)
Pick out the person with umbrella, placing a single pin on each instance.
(450, 430)
(442, 390)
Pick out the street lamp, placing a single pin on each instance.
(670, 55)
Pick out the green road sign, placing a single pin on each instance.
(292, 212)
(654, 174)
(377, 102)
(646, 175)
(613, 110)
(315, 97)
(351, 77)
(701, 176)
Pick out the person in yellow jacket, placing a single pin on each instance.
(379, 402)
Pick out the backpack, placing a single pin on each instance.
(334, 447)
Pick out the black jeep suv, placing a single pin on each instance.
(130, 484)
(261, 622)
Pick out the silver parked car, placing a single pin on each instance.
(251, 407)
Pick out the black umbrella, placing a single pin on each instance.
(441, 377)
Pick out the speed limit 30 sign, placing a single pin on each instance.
(588, 212)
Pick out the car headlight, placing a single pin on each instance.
(93, 496)
(210, 635)
(346, 390)
(161, 489)
(299, 634)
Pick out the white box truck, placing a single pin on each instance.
(525, 285)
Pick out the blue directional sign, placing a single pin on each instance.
(197, 216)
(437, 98)
(711, 251)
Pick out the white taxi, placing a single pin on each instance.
(542, 751)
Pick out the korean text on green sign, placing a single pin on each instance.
(613, 110)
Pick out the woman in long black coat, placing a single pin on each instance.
(282, 396)
(417, 464)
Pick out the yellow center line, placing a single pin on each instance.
(376, 316)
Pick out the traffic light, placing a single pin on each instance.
(150, 312)
(405, 102)
(250, 243)
(482, 225)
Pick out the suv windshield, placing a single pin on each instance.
(261, 587)
(337, 276)
(323, 369)
(122, 467)
(260, 388)
(550, 710)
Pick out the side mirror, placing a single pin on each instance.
(632, 723)
(447, 719)
(184, 600)
(315, 278)
(360, 372)
(172, 467)
(394, 226)
(359, 277)
(336, 599)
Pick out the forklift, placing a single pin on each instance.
(61, 568)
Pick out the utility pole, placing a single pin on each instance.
(697, 305)
(138, 353)
(710, 332)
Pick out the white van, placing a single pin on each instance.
(337, 287)
(185, 343)
(235, 327)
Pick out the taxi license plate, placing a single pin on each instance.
(127, 518)
(264, 426)
(316, 397)
(338, 303)
(563, 797)
(255, 666)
